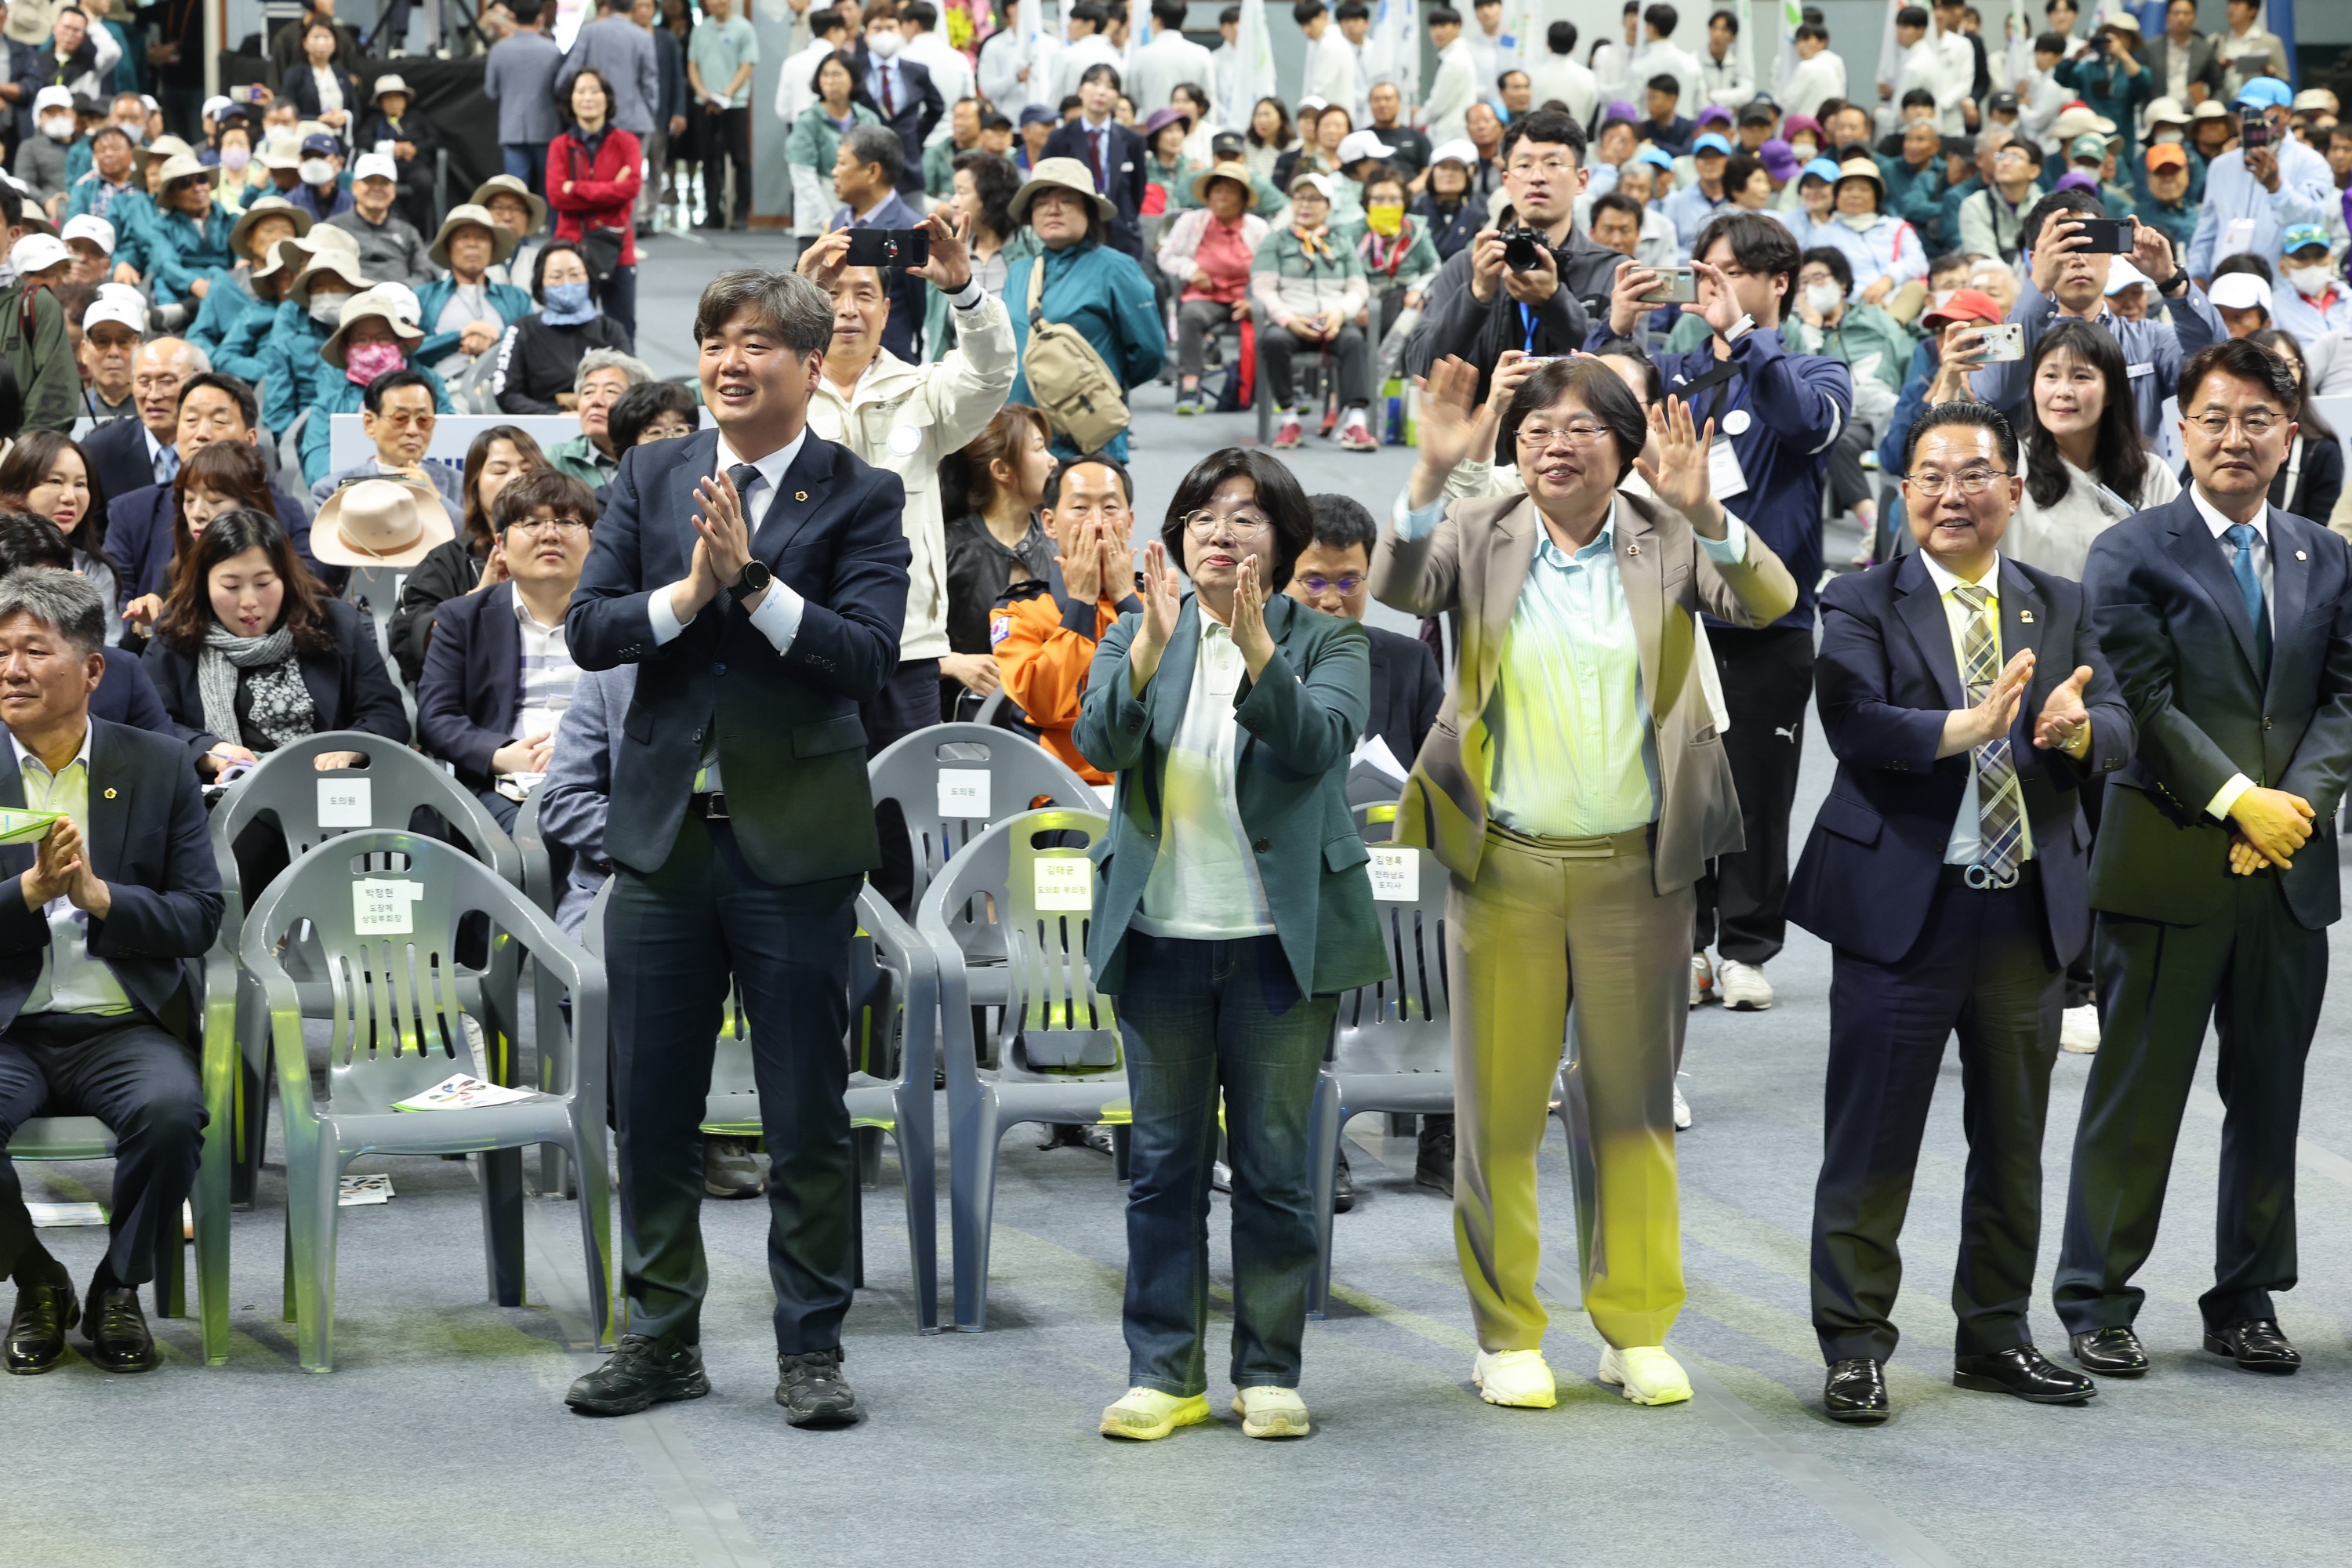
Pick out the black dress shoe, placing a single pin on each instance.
(1433, 1162)
(1855, 1392)
(2258, 1344)
(810, 1387)
(2111, 1353)
(2025, 1373)
(117, 1330)
(1343, 1187)
(642, 1373)
(37, 1331)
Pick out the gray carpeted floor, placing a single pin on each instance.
(441, 1438)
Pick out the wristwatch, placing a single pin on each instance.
(2179, 277)
(754, 580)
(1739, 329)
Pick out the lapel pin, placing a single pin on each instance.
(799, 495)
(1631, 548)
(2298, 555)
(110, 795)
(2026, 616)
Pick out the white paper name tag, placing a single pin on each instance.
(1722, 475)
(346, 802)
(385, 905)
(963, 791)
(1396, 873)
(1064, 882)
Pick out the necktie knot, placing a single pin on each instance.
(2241, 535)
(743, 476)
(1972, 596)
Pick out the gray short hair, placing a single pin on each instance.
(788, 304)
(636, 370)
(878, 145)
(67, 601)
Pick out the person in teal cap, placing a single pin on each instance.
(2310, 297)
(2255, 195)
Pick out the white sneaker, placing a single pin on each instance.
(2078, 1030)
(1682, 1110)
(1743, 985)
(1646, 1374)
(1702, 980)
(1271, 1412)
(1146, 1414)
(1519, 1378)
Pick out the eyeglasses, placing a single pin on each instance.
(1240, 524)
(1319, 587)
(1577, 433)
(1973, 482)
(1555, 167)
(2256, 423)
(543, 526)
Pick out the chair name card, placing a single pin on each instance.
(1396, 873)
(1063, 882)
(963, 791)
(346, 801)
(385, 905)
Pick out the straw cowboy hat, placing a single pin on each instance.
(1237, 172)
(322, 259)
(383, 302)
(502, 243)
(1863, 169)
(182, 166)
(1059, 174)
(391, 81)
(380, 521)
(513, 187)
(267, 207)
(280, 149)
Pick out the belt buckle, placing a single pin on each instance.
(1984, 878)
(714, 806)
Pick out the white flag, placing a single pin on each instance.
(1393, 48)
(1254, 67)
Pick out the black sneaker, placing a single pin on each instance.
(810, 1387)
(1433, 1162)
(642, 1373)
(1343, 1187)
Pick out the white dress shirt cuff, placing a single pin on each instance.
(778, 618)
(667, 626)
(2227, 797)
(1414, 523)
(970, 299)
(1732, 548)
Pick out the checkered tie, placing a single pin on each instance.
(2000, 806)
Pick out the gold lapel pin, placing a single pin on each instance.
(2025, 614)
(1631, 548)
(799, 495)
(2298, 555)
(110, 795)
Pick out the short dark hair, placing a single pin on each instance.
(995, 181)
(2050, 44)
(1552, 127)
(552, 487)
(1759, 244)
(1594, 385)
(27, 539)
(1071, 101)
(878, 144)
(1439, 16)
(1662, 17)
(642, 404)
(248, 406)
(2245, 261)
(1352, 11)
(1654, 387)
(2057, 204)
(547, 253)
(1504, 79)
(1090, 11)
(797, 309)
(921, 13)
(1738, 169)
(1230, 17)
(1279, 496)
(825, 20)
(1611, 123)
(1053, 491)
(1728, 19)
(2246, 361)
(1913, 16)
(1671, 86)
(1983, 416)
(1614, 202)
(1169, 13)
(1342, 524)
(372, 397)
(1305, 11)
(1918, 97)
(1560, 37)
(1813, 30)
(1831, 257)
(1099, 72)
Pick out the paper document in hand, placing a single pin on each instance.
(19, 827)
(1376, 751)
(462, 1091)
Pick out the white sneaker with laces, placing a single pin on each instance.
(1743, 987)
(1518, 1378)
(1147, 1415)
(1645, 1375)
(1702, 980)
(2078, 1030)
(1271, 1412)
(1682, 1110)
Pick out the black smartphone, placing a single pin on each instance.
(2253, 130)
(888, 247)
(2105, 235)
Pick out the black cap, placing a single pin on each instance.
(1227, 141)
(2001, 103)
(1758, 112)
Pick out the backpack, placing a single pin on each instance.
(1067, 379)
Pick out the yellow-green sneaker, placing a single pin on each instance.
(1271, 1412)
(1645, 1375)
(1144, 1415)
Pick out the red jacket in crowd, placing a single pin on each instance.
(598, 190)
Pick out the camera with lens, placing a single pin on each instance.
(1523, 250)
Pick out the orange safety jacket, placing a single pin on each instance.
(1044, 644)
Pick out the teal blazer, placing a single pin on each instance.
(1302, 718)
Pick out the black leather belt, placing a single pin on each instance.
(1979, 879)
(711, 807)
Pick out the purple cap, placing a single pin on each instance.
(1779, 160)
(1715, 114)
(1162, 119)
(1621, 109)
(2078, 181)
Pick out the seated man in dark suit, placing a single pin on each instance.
(97, 924)
(125, 695)
(1113, 152)
(131, 454)
(1966, 700)
(498, 675)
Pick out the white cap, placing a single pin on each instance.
(120, 305)
(92, 227)
(1322, 183)
(1358, 144)
(1461, 149)
(1314, 101)
(2230, 291)
(213, 106)
(53, 97)
(38, 253)
(147, 101)
(2122, 275)
(375, 166)
(402, 298)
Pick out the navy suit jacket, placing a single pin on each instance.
(472, 686)
(913, 114)
(2172, 620)
(349, 689)
(1123, 154)
(791, 747)
(118, 463)
(1885, 678)
(125, 695)
(138, 536)
(148, 843)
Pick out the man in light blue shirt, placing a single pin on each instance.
(2253, 195)
(1692, 205)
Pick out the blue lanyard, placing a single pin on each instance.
(1528, 321)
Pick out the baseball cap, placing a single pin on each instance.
(324, 145)
(1710, 142)
(1820, 169)
(2076, 180)
(2230, 291)
(375, 167)
(1322, 183)
(1461, 149)
(2083, 149)
(1035, 114)
(1358, 145)
(92, 227)
(2265, 92)
(2167, 155)
(53, 97)
(1657, 156)
(1715, 113)
(1779, 160)
(120, 305)
(1965, 305)
(38, 253)
(2122, 275)
(213, 105)
(2299, 236)
(1758, 112)
(2210, 109)
(2002, 102)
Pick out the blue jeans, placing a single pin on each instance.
(1197, 1019)
(527, 161)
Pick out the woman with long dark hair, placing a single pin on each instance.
(990, 491)
(2086, 468)
(220, 477)
(2312, 478)
(48, 474)
(498, 455)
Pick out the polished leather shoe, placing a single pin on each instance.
(117, 1330)
(641, 1373)
(2025, 1373)
(37, 1331)
(1855, 1392)
(2258, 1344)
(2111, 1353)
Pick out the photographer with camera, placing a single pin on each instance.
(1778, 414)
(1528, 281)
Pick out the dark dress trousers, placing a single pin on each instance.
(147, 842)
(1917, 955)
(471, 689)
(1120, 177)
(762, 894)
(2181, 940)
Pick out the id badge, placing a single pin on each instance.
(1722, 475)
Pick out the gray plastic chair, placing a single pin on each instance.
(538, 883)
(919, 771)
(88, 1138)
(397, 1005)
(1392, 1047)
(286, 788)
(1057, 1056)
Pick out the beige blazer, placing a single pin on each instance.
(1472, 568)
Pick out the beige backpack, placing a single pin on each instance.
(1067, 379)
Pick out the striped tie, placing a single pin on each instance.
(2000, 806)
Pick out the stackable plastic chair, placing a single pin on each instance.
(310, 807)
(88, 1138)
(539, 884)
(1025, 888)
(1392, 1047)
(384, 910)
(955, 781)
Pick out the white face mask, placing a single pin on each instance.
(2167, 135)
(316, 171)
(58, 127)
(2312, 281)
(884, 44)
(1805, 150)
(1858, 222)
(1824, 297)
(327, 309)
